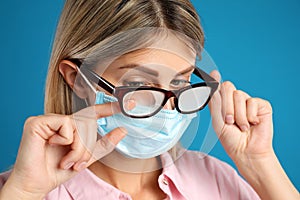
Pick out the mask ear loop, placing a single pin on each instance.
(88, 83)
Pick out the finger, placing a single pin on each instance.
(65, 133)
(107, 109)
(215, 105)
(83, 162)
(264, 107)
(74, 155)
(54, 128)
(240, 110)
(257, 107)
(227, 89)
(216, 75)
(107, 144)
(97, 111)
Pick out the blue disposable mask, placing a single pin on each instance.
(147, 137)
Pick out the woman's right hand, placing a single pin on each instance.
(55, 147)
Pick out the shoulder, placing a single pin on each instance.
(210, 172)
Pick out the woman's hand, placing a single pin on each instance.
(55, 147)
(243, 123)
(245, 129)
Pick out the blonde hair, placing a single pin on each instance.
(85, 23)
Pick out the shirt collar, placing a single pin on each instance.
(170, 170)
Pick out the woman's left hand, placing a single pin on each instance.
(245, 128)
(243, 123)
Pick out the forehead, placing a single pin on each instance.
(155, 59)
(157, 48)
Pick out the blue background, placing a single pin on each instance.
(254, 43)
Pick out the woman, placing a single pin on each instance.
(57, 160)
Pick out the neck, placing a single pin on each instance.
(127, 174)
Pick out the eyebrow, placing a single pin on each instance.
(140, 68)
(153, 72)
(185, 71)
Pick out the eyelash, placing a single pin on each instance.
(134, 83)
(142, 83)
(182, 81)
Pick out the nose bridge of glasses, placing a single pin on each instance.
(170, 104)
(169, 100)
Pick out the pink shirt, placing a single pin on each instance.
(191, 177)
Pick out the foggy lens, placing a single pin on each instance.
(146, 102)
(193, 99)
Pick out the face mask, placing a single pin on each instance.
(147, 137)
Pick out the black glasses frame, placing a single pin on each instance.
(120, 91)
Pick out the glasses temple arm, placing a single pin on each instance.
(203, 75)
(100, 81)
(94, 77)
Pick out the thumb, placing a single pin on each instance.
(107, 144)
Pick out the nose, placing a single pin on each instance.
(170, 104)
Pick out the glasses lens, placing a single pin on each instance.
(146, 102)
(193, 99)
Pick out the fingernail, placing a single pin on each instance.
(69, 165)
(81, 166)
(244, 128)
(229, 119)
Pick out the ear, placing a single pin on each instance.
(69, 71)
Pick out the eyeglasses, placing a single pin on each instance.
(150, 100)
